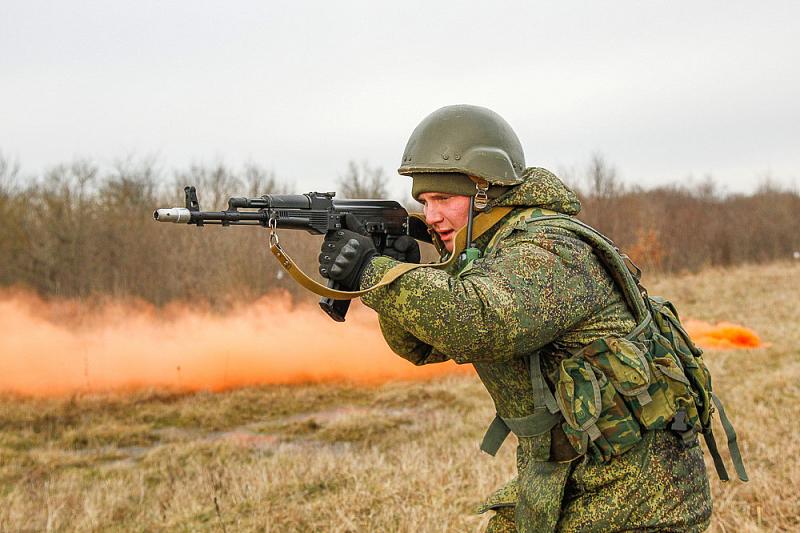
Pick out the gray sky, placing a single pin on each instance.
(665, 90)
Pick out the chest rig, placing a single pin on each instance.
(609, 392)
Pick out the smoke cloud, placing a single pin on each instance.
(67, 346)
(723, 336)
(63, 346)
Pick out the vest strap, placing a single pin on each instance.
(495, 436)
(542, 397)
(733, 445)
(719, 465)
(538, 423)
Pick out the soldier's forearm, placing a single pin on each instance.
(450, 315)
(407, 345)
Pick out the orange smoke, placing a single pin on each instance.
(723, 336)
(67, 346)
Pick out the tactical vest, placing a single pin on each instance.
(612, 390)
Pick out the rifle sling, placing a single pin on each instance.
(481, 224)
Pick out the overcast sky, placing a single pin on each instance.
(665, 90)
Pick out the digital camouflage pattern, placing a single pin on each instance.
(539, 287)
(656, 486)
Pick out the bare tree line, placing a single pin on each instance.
(79, 231)
(685, 228)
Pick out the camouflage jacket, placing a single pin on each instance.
(537, 287)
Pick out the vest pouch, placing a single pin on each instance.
(652, 395)
(666, 318)
(674, 339)
(676, 395)
(701, 386)
(625, 364)
(696, 413)
(622, 362)
(597, 419)
(672, 391)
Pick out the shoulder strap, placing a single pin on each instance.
(612, 259)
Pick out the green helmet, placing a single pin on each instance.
(465, 139)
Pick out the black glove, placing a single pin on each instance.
(405, 249)
(346, 253)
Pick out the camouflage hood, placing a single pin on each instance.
(541, 188)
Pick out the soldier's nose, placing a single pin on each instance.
(432, 216)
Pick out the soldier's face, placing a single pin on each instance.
(446, 214)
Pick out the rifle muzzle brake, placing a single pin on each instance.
(173, 214)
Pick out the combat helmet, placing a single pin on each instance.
(468, 140)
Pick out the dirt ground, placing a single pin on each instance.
(401, 456)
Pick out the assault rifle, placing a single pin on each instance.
(317, 213)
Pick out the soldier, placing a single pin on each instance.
(535, 296)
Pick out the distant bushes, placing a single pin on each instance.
(80, 230)
(678, 228)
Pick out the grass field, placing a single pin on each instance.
(401, 456)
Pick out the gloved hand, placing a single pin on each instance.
(346, 253)
(404, 249)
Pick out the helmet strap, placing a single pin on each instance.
(470, 218)
(471, 252)
(481, 195)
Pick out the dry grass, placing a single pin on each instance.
(396, 457)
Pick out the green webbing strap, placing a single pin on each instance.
(545, 414)
(640, 328)
(719, 466)
(541, 392)
(541, 421)
(733, 446)
(495, 436)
